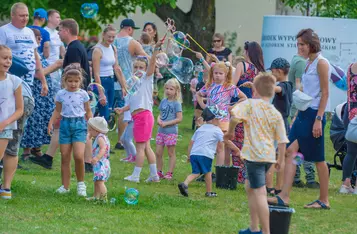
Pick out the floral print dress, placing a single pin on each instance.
(102, 168)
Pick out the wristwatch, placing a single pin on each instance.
(319, 118)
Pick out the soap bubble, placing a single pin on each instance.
(133, 83)
(93, 99)
(179, 137)
(173, 49)
(89, 10)
(179, 36)
(299, 159)
(204, 28)
(113, 200)
(131, 196)
(184, 158)
(93, 92)
(182, 69)
(162, 60)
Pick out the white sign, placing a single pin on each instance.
(337, 37)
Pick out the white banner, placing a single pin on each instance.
(338, 39)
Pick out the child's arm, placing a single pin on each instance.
(89, 113)
(55, 115)
(203, 61)
(152, 62)
(159, 121)
(242, 96)
(277, 89)
(122, 110)
(102, 150)
(19, 104)
(200, 100)
(231, 146)
(189, 150)
(281, 156)
(174, 121)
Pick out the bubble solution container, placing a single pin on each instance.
(280, 219)
(226, 177)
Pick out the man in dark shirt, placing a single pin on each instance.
(75, 53)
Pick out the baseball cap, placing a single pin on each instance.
(128, 23)
(279, 63)
(40, 12)
(213, 112)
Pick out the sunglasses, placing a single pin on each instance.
(214, 41)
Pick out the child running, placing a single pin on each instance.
(202, 149)
(170, 115)
(140, 106)
(98, 128)
(72, 106)
(263, 125)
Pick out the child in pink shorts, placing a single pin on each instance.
(170, 115)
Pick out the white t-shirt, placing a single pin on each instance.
(72, 102)
(142, 99)
(7, 98)
(205, 140)
(23, 43)
(55, 45)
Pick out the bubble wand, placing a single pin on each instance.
(188, 35)
(186, 47)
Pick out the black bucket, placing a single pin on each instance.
(280, 219)
(226, 177)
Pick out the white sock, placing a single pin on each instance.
(80, 183)
(153, 169)
(137, 171)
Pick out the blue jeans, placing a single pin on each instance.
(108, 85)
(119, 99)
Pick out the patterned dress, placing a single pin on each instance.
(35, 133)
(102, 168)
(238, 140)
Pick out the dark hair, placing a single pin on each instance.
(156, 37)
(71, 25)
(309, 37)
(255, 54)
(36, 32)
(145, 38)
(285, 70)
(51, 12)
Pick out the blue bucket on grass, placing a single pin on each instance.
(280, 219)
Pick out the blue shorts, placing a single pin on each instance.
(72, 130)
(256, 173)
(118, 99)
(200, 164)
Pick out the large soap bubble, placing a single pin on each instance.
(89, 10)
(131, 196)
(173, 49)
(179, 36)
(162, 60)
(133, 83)
(182, 69)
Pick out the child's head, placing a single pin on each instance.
(145, 38)
(5, 58)
(140, 64)
(213, 114)
(280, 69)
(220, 73)
(38, 35)
(173, 90)
(236, 60)
(264, 84)
(72, 78)
(97, 125)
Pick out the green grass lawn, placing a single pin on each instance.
(35, 208)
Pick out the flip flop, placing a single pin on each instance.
(279, 202)
(322, 206)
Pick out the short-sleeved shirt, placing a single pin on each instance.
(297, 67)
(45, 37)
(55, 45)
(76, 53)
(221, 55)
(263, 124)
(22, 43)
(282, 101)
(142, 99)
(205, 140)
(72, 102)
(168, 110)
(220, 95)
(7, 98)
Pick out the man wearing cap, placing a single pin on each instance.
(127, 50)
(39, 19)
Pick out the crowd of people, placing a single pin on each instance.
(244, 115)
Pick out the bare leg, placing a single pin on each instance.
(3, 145)
(88, 150)
(269, 177)
(140, 154)
(172, 157)
(66, 150)
(102, 189)
(227, 156)
(78, 155)
(96, 190)
(254, 218)
(220, 154)
(159, 154)
(190, 178)
(150, 153)
(208, 180)
(260, 199)
(322, 171)
(10, 165)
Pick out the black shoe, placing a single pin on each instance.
(183, 189)
(119, 146)
(88, 168)
(313, 185)
(299, 184)
(44, 161)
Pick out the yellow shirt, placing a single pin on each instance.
(263, 124)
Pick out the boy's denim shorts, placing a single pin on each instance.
(256, 172)
(72, 130)
(200, 164)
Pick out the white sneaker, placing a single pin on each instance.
(154, 178)
(81, 189)
(345, 190)
(132, 179)
(62, 190)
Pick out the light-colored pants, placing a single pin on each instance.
(127, 139)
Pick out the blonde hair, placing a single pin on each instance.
(264, 84)
(174, 83)
(219, 36)
(72, 70)
(4, 47)
(17, 6)
(226, 66)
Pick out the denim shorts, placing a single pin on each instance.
(72, 130)
(256, 173)
(200, 164)
(6, 134)
(118, 99)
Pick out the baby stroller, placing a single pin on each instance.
(337, 136)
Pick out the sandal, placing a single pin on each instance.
(277, 191)
(321, 205)
(279, 202)
(36, 152)
(211, 194)
(271, 191)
